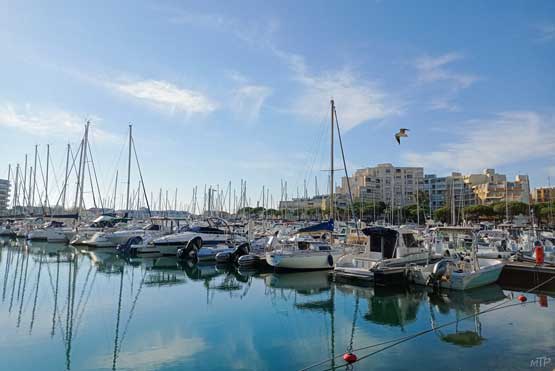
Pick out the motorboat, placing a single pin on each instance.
(84, 233)
(495, 244)
(203, 240)
(114, 238)
(458, 272)
(386, 248)
(54, 231)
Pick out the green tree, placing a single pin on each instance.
(477, 212)
(443, 214)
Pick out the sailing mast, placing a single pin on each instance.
(65, 179)
(47, 171)
(129, 169)
(332, 204)
(84, 158)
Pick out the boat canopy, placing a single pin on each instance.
(103, 218)
(382, 240)
(321, 227)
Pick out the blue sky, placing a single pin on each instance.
(224, 91)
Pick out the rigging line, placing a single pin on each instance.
(316, 155)
(92, 186)
(116, 168)
(66, 182)
(400, 340)
(141, 176)
(55, 177)
(96, 179)
(345, 166)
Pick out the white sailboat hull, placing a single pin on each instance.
(302, 260)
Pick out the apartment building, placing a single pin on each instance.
(386, 183)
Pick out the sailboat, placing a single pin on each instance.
(304, 252)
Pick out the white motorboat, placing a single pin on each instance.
(302, 251)
(52, 232)
(119, 237)
(208, 236)
(458, 273)
(386, 248)
(83, 233)
(494, 244)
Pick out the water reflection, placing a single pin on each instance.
(80, 305)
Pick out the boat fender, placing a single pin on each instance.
(538, 250)
(349, 357)
(330, 260)
(522, 298)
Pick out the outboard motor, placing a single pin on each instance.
(233, 255)
(126, 247)
(241, 250)
(439, 270)
(190, 251)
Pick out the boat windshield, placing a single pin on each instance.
(410, 240)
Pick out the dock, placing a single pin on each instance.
(527, 275)
(517, 276)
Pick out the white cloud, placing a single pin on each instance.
(357, 100)
(509, 137)
(49, 122)
(167, 96)
(249, 99)
(256, 32)
(547, 32)
(433, 69)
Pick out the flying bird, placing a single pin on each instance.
(401, 133)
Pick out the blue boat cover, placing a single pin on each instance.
(326, 226)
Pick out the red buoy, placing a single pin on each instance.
(522, 298)
(349, 357)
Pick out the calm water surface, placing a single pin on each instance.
(62, 309)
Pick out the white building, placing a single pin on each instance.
(4, 194)
(392, 185)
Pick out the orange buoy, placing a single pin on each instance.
(539, 253)
(522, 298)
(349, 357)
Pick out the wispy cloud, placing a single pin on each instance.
(436, 70)
(49, 122)
(166, 96)
(546, 32)
(507, 138)
(249, 99)
(433, 69)
(357, 99)
(255, 32)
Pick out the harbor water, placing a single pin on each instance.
(65, 309)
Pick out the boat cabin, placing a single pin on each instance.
(387, 243)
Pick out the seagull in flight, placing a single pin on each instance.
(401, 133)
